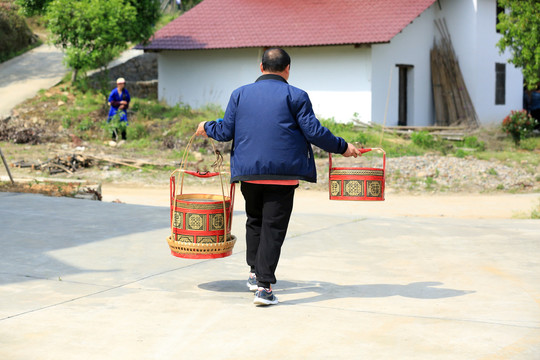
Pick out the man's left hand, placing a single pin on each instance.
(200, 129)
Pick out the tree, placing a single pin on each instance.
(148, 14)
(90, 32)
(520, 29)
(33, 7)
(94, 32)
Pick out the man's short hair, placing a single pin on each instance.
(275, 60)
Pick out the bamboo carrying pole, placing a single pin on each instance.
(6, 165)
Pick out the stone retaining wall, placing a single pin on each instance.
(140, 73)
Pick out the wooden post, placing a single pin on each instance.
(6, 165)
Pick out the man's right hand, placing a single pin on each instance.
(352, 151)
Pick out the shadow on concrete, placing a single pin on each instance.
(328, 291)
(32, 226)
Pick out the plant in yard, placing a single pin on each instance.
(530, 144)
(519, 124)
(93, 32)
(518, 26)
(535, 214)
(472, 142)
(430, 182)
(114, 126)
(492, 171)
(423, 139)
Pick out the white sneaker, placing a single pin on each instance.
(265, 297)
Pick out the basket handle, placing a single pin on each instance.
(204, 174)
(363, 151)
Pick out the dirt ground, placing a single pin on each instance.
(472, 206)
(152, 189)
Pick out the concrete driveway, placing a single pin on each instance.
(22, 77)
(92, 280)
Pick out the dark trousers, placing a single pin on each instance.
(268, 210)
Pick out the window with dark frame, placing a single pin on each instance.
(500, 84)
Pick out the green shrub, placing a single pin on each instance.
(460, 153)
(535, 214)
(114, 126)
(137, 131)
(519, 124)
(430, 182)
(473, 143)
(66, 122)
(530, 144)
(423, 139)
(15, 35)
(85, 125)
(492, 171)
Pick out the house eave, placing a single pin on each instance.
(176, 48)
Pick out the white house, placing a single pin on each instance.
(360, 59)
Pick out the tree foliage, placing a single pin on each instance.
(15, 35)
(94, 32)
(33, 7)
(91, 32)
(520, 29)
(148, 14)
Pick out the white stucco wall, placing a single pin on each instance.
(201, 77)
(410, 47)
(337, 78)
(484, 91)
(472, 27)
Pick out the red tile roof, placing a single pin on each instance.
(218, 24)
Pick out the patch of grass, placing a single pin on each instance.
(430, 182)
(137, 131)
(492, 171)
(530, 144)
(510, 157)
(370, 137)
(85, 124)
(460, 153)
(472, 142)
(535, 213)
(423, 139)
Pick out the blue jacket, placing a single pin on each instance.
(272, 125)
(114, 99)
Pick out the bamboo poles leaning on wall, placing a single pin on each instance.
(453, 104)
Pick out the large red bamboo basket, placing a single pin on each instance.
(200, 223)
(357, 183)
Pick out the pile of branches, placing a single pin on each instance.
(11, 131)
(59, 164)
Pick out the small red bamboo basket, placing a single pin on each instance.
(357, 183)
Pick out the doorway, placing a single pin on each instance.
(404, 93)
